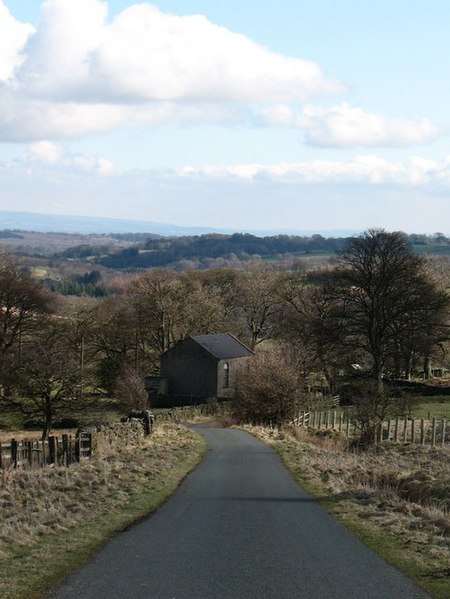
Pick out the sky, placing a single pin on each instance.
(272, 114)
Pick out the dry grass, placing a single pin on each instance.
(78, 507)
(23, 435)
(396, 498)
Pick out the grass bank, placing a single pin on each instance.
(52, 520)
(395, 498)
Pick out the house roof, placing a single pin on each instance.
(223, 345)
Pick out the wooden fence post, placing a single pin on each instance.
(29, 445)
(405, 429)
(14, 457)
(422, 431)
(396, 431)
(52, 450)
(78, 448)
(65, 450)
(443, 432)
(147, 424)
(433, 432)
(413, 431)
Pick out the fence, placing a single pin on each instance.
(433, 431)
(61, 451)
(68, 449)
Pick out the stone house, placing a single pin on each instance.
(197, 368)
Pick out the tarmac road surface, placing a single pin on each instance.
(238, 527)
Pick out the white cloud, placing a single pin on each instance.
(347, 126)
(150, 55)
(59, 53)
(13, 36)
(369, 169)
(80, 73)
(45, 152)
(88, 164)
(360, 193)
(26, 120)
(47, 155)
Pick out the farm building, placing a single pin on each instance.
(198, 368)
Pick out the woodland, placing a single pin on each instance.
(357, 314)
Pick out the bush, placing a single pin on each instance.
(369, 407)
(268, 390)
(130, 389)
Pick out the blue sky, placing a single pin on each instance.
(247, 115)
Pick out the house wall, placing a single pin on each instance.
(235, 365)
(191, 371)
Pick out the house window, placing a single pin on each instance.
(226, 375)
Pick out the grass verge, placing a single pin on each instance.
(54, 519)
(396, 499)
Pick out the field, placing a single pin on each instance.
(99, 410)
(434, 407)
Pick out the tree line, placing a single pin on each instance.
(377, 312)
(201, 250)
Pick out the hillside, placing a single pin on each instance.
(200, 251)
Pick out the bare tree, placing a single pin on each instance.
(378, 290)
(22, 304)
(306, 323)
(368, 408)
(257, 302)
(47, 380)
(170, 307)
(130, 389)
(113, 339)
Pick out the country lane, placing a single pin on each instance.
(239, 527)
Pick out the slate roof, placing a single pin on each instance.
(223, 345)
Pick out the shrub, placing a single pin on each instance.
(130, 389)
(269, 389)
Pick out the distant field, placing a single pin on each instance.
(436, 407)
(422, 407)
(432, 250)
(99, 410)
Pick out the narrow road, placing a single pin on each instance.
(239, 527)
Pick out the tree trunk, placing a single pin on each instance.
(48, 419)
(427, 368)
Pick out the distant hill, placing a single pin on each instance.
(58, 223)
(219, 250)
